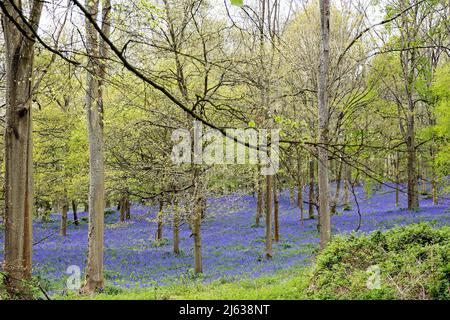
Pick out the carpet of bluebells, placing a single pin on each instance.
(233, 247)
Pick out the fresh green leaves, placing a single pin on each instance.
(238, 3)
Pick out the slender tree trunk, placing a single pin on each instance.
(18, 190)
(408, 63)
(259, 204)
(397, 179)
(122, 207)
(324, 209)
(311, 198)
(176, 232)
(94, 109)
(65, 209)
(159, 218)
(300, 189)
(300, 202)
(127, 207)
(413, 197)
(276, 211)
(196, 231)
(196, 219)
(75, 214)
(269, 250)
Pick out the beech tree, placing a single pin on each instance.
(96, 50)
(324, 202)
(19, 33)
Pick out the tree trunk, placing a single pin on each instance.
(122, 207)
(409, 67)
(176, 232)
(127, 208)
(300, 189)
(65, 209)
(94, 110)
(269, 250)
(324, 210)
(18, 190)
(413, 194)
(259, 204)
(75, 215)
(276, 210)
(397, 179)
(159, 218)
(196, 230)
(311, 198)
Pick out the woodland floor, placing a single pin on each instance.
(233, 247)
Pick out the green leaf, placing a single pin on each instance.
(238, 3)
(278, 119)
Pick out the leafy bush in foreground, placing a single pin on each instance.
(413, 263)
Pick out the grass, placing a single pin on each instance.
(283, 285)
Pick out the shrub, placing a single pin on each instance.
(413, 263)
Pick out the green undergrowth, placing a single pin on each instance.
(411, 262)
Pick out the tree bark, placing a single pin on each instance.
(276, 210)
(122, 208)
(324, 210)
(413, 194)
(300, 189)
(19, 58)
(176, 232)
(159, 218)
(397, 179)
(65, 209)
(196, 231)
(127, 204)
(260, 201)
(75, 215)
(311, 198)
(408, 60)
(269, 249)
(94, 110)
